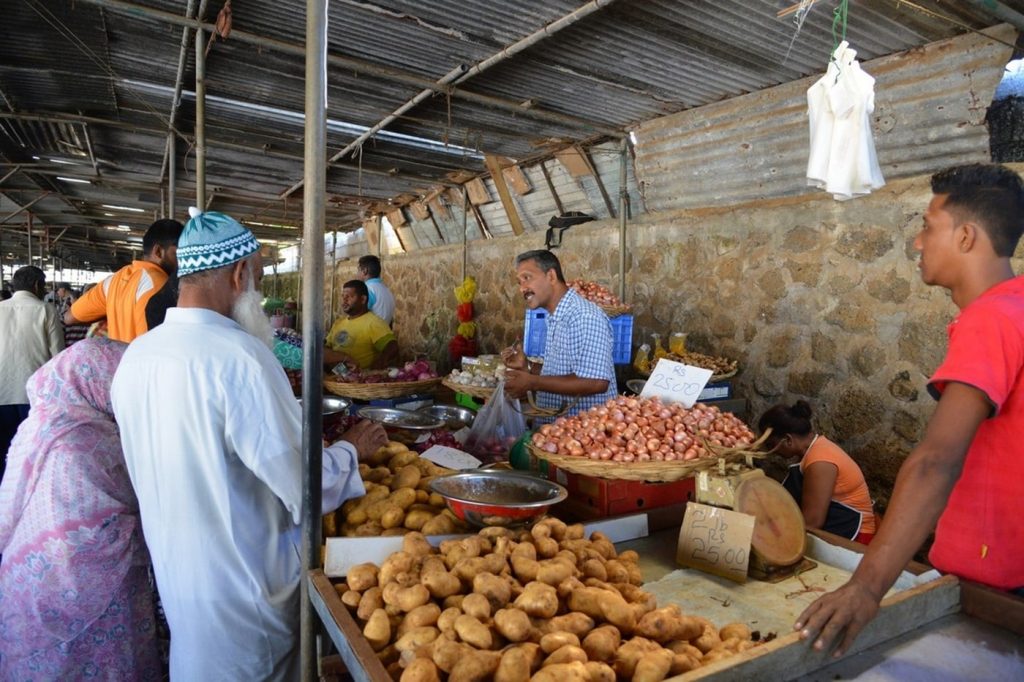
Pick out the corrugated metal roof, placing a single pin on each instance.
(625, 64)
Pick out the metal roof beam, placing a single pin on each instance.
(54, 118)
(365, 68)
(24, 208)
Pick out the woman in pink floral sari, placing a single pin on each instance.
(75, 601)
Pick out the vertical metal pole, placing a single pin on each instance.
(334, 275)
(314, 217)
(28, 228)
(200, 121)
(623, 202)
(465, 231)
(172, 174)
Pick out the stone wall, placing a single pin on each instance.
(817, 299)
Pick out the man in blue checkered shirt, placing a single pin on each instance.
(578, 344)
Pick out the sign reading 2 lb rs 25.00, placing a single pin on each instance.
(675, 382)
(715, 540)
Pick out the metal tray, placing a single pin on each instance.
(401, 419)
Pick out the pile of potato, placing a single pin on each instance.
(398, 499)
(546, 605)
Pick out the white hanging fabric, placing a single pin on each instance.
(842, 159)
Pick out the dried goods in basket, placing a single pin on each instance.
(722, 368)
(483, 392)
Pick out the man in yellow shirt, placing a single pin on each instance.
(363, 338)
(135, 298)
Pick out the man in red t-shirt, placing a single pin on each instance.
(966, 472)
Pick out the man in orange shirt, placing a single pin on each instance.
(135, 298)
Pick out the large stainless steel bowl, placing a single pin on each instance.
(454, 417)
(498, 498)
(334, 404)
(392, 417)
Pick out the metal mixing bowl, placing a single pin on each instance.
(636, 385)
(454, 417)
(394, 418)
(498, 498)
(334, 405)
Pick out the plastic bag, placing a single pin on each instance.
(497, 427)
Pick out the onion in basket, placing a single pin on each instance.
(628, 429)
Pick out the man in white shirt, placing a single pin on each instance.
(381, 301)
(212, 441)
(30, 334)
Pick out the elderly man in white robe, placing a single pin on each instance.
(212, 439)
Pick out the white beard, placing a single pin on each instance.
(248, 313)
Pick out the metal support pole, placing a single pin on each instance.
(623, 206)
(172, 175)
(200, 121)
(465, 231)
(314, 212)
(28, 228)
(334, 274)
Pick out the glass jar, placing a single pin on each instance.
(677, 343)
(488, 363)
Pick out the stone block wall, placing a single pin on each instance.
(817, 299)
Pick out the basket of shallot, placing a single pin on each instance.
(643, 439)
(601, 295)
(414, 377)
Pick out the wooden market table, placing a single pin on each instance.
(914, 626)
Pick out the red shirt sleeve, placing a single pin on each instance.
(984, 352)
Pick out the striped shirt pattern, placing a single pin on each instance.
(578, 341)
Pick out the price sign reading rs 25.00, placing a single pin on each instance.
(715, 540)
(675, 382)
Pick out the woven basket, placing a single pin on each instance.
(615, 310)
(483, 392)
(652, 472)
(394, 389)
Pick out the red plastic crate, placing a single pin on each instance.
(592, 497)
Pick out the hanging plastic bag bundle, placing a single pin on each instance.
(497, 427)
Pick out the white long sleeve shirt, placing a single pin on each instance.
(212, 440)
(30, 335)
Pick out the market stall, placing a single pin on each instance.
(938, 605)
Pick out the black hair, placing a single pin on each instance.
(359, 286)
(989, 193)
(28, 278)
(785, 420)
(545, 260)
(370, 265)
(164, 233)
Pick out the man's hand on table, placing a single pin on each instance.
(843, 612)
(366, 437)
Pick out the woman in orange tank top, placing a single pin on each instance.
(826, 482)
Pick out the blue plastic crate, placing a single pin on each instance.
(535, 329)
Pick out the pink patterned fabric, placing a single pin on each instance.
(75, 601)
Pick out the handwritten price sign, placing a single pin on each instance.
(675, 382)
(715, 540)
